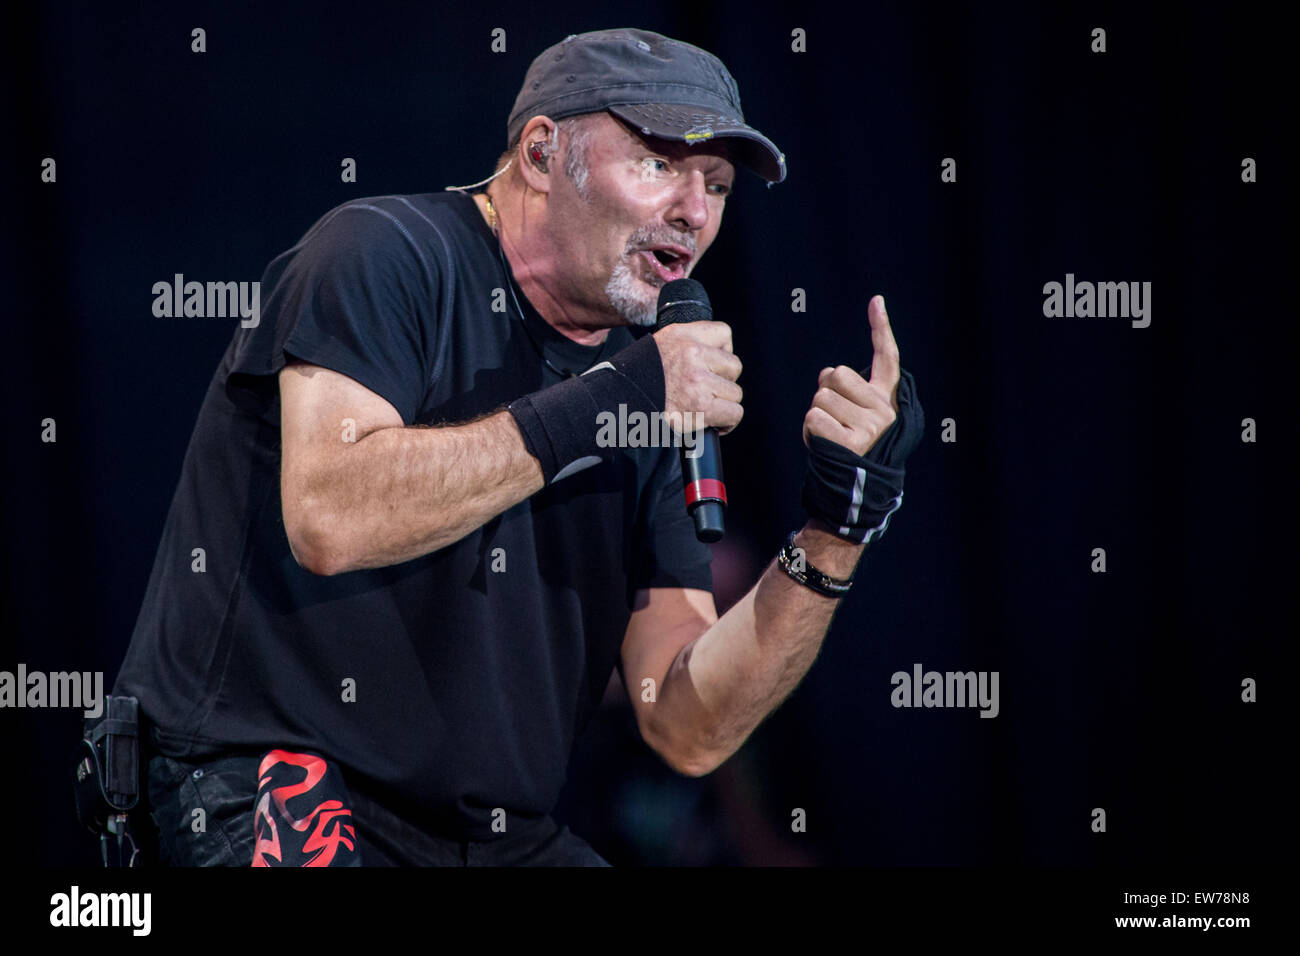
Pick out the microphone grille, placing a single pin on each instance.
(683, 300)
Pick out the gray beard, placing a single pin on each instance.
(628, 295)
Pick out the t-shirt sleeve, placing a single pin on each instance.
(354, 297)
(668, 555)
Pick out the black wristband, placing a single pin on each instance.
(559, 424)
(851, 494)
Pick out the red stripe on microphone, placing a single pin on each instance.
(706, 489)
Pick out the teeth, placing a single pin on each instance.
(664, 256)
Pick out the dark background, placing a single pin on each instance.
(1118, 690)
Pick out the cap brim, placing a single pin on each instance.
(697, 124)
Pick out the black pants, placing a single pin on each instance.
(226, 788)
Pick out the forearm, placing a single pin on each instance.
(726, 681)
(399, 493)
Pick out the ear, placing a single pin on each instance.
(539, 129)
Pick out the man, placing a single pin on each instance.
(419, 565)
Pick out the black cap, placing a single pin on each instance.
(663, 87)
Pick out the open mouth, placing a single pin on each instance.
(667, 262)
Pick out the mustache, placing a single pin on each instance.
(653, 235)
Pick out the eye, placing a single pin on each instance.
(653, 169)
(722, 189)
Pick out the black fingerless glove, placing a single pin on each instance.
(856, 494)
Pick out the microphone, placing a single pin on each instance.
(684, 300)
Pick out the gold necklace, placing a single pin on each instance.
(492, 214)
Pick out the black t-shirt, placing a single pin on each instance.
(470, 683)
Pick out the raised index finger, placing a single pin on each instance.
(884, 360)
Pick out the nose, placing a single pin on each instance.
(690, 208)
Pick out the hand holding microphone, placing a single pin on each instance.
(700, 372)
(685, 366)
